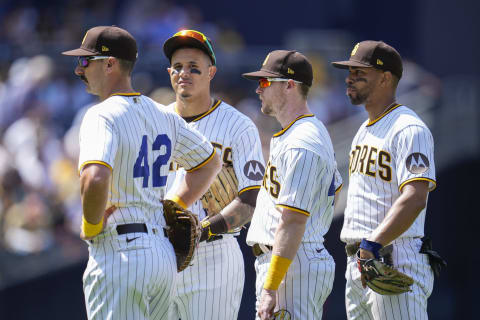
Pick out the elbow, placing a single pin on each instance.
(420, 203)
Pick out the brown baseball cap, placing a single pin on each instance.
(284, 64)
(375, 54)
(189, 39)
(107, 41)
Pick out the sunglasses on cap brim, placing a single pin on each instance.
(197, 35)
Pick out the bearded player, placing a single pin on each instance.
(295, 204)
(391, 172)
(211, 288)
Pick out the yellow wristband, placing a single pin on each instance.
(276, 272)
(91, 230)
(179, 201)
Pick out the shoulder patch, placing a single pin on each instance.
(417, 163)
(253, 170)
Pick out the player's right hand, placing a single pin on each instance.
(268, 301)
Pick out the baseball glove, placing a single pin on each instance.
(182, 231)
(221, 192)
(382, 277)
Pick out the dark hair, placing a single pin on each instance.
(303, 89)
(126, 65)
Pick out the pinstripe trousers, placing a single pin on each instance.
(129, 280)
(365, 304)
(211, 287)
(306, 285)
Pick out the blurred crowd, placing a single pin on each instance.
(42, 103)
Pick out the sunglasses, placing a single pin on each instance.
(85, 61)
(267, 82)
(197, 35)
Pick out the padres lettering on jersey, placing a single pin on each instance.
(377, 162)
(270, 180)
(386, 154)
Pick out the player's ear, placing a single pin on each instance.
(387, 78)
(212, 70)
(109, 64)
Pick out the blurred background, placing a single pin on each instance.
(42, 102)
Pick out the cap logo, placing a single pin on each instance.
(290, 71)
(84, 37)
(266, 59)
(105, 49)
(379, 62)
(355, 49)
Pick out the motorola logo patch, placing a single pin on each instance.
(417, 163)
(254, 170)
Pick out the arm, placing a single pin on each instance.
(240, 210)
(234, 215)
(94, 184)
(289, 233)
(288, 237)
(196, 182)
(401, 215)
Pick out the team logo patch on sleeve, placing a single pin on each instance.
(254, 170)
(417, 163)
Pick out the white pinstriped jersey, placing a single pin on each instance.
(301, 176)
(236, 138)
(386, 153)
(132, 135)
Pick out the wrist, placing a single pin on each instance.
(212, 226)
(371, 246)
(89, 229)
(178, 201)
(276, 272)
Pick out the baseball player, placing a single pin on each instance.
(212, 287)
(391, 172)
(126, 144)
(295, 204)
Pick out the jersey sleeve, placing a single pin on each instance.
(413, 156)
(248, 160)
(338, 181)
(192, 150)
(302, 169)
(98, 140)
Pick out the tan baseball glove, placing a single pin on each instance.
(382, 277)
(183, 231)
(221, 192)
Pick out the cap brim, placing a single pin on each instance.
(79, 53)
(261, 74)
(350, 63)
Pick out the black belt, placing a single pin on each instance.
(258, 251)
(131, 228)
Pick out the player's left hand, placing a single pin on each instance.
(364, 254)
(268, 301)
(108, 212)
